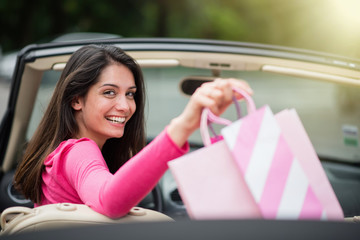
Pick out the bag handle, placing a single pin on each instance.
(207, 117)
(223, 121)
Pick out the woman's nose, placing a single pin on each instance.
(122, 104)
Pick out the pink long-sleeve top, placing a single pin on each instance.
(76, 172)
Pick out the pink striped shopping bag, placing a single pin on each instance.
(300, 144)
(265, 167)
(273, 173)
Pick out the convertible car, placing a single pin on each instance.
(324, 89)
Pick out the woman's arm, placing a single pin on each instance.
(114, 195)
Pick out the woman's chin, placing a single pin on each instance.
(117, 135)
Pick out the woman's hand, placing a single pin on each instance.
(216, 96)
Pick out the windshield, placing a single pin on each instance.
(329, 111)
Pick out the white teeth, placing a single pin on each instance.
(116, 119)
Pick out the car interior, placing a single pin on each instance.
(324, 95)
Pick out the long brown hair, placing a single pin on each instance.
(59, 124)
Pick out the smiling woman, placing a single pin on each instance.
(76, 112)
(89, 146)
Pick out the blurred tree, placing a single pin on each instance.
(316, 25)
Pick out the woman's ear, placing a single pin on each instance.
(76, 104)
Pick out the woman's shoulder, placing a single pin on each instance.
(81, 146)
(78, 144)
(79, 141)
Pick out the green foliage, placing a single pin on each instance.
(316, 25)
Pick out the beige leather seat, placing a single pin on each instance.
(21, 219)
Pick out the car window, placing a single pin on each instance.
(43, 97)
(165, 100)
(329, 111)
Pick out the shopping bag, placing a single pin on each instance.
(286, 180)
(211, 186)
(300, 144)
(272, 172)
(210, 183)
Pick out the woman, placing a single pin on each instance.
(95, 123)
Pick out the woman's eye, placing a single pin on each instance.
(109, 93)
(130, 95)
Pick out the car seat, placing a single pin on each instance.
(22, 219)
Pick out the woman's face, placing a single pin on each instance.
(108, 105)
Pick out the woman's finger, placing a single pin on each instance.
(242, 85)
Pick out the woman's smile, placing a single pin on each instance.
(115, 119)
